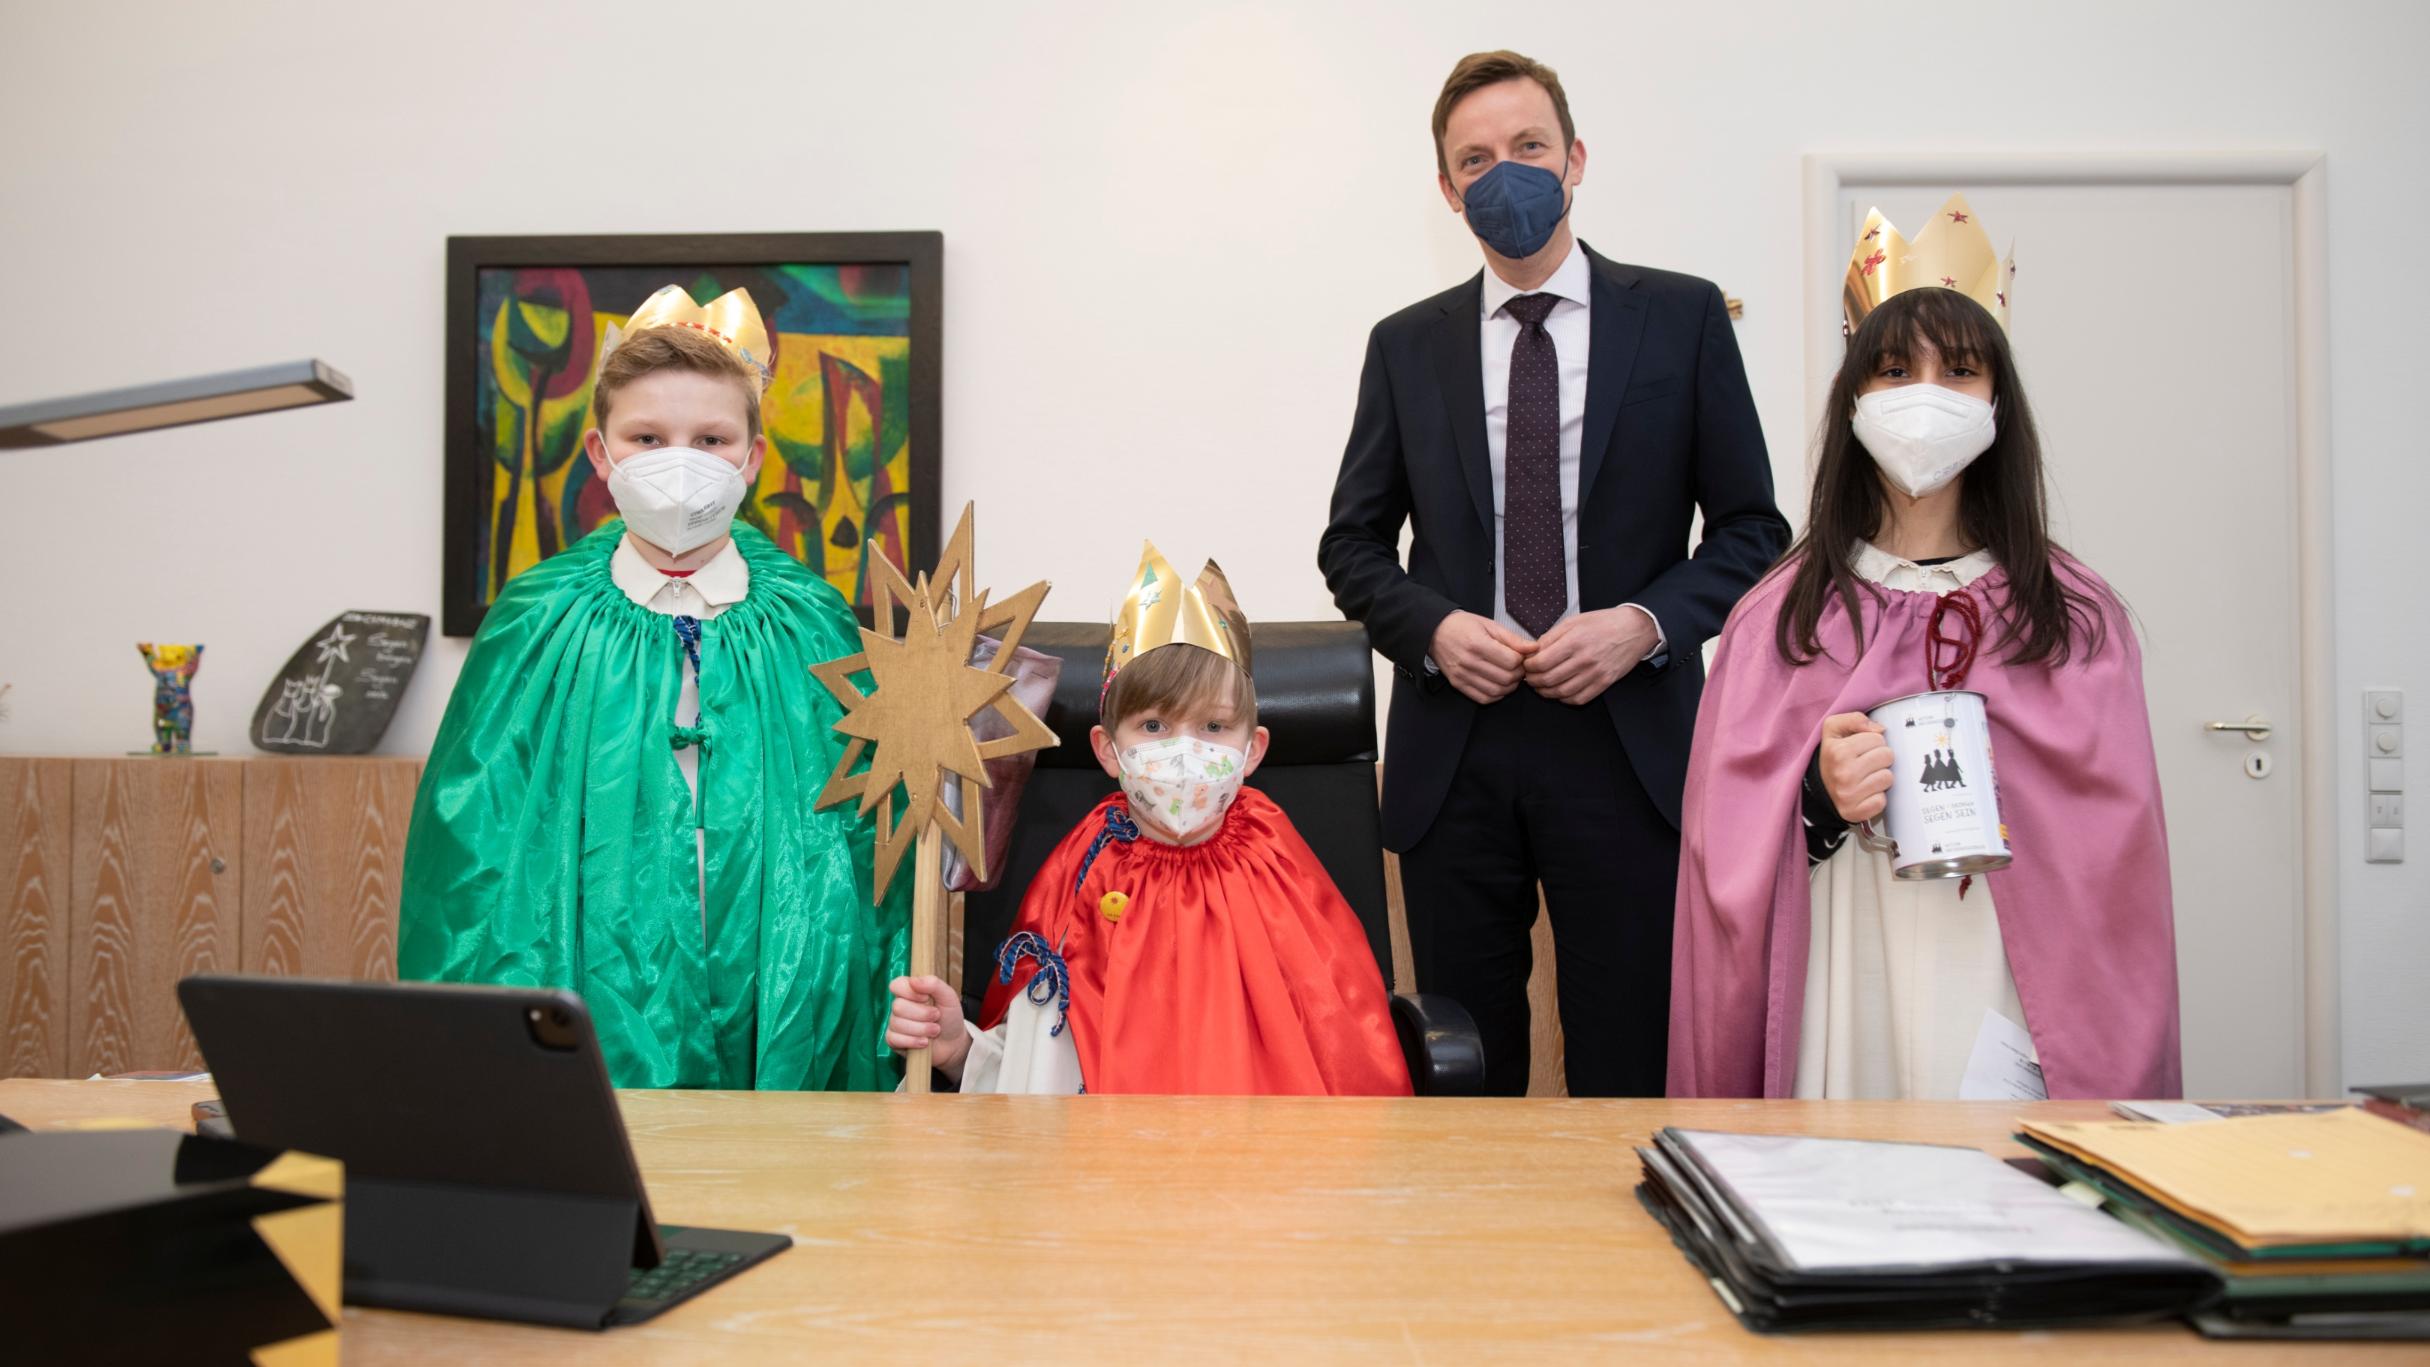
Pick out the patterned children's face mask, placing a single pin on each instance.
(1181, 782)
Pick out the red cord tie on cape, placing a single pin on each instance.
(1961, 646)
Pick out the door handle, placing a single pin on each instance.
(2253, 727)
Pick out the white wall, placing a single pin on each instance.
(1167, 231)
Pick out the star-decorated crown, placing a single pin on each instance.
(1952, 252)
(1160, 611)
(731, 318)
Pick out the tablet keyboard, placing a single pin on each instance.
(683, 1272)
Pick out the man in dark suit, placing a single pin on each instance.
(1550, 427)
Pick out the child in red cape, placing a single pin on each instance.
(1183, 938)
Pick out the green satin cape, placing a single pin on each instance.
(552, 835)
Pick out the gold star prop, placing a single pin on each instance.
(917, 718)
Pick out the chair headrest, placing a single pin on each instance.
(1315, 690)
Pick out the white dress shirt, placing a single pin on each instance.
(721, 583)
(1570, 326)
(717, 585)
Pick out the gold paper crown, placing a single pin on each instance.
(1952, 252)
(1160, 610)
(731, 318)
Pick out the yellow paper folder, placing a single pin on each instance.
(2268, 1181)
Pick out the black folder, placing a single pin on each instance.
(1731, 1241)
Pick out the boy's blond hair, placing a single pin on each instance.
(1178, 678)
(675, 348)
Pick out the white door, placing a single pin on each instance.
(2154, 328)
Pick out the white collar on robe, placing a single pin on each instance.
(1877, 566)
(717, 585)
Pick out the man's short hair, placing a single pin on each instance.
(1179, 678)
(675, 348)
(1478, 70)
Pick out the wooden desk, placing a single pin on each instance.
(943, 1230)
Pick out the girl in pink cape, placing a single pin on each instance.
(1800, 966)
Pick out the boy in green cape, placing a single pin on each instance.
(619, 799)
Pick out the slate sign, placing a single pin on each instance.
(339, 691)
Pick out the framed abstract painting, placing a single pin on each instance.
(851, 414)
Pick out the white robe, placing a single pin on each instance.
(1899, 974)
(1022, 1056)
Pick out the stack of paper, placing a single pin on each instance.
(2319, 1223)
(1802, 1233)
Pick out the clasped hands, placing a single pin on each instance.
(1572, 663)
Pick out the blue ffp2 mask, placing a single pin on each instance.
(1515, 207)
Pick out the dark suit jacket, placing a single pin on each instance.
(1670, 428)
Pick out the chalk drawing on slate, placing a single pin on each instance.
(340, 690)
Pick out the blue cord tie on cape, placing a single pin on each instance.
(1118, 826)
(1051, 984)
(687, 631)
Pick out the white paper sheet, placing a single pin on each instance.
(2195, 1113)
(2002, 1066)
(2165, 1112)
(1841, 1204)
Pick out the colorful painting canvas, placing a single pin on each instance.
(850, 415)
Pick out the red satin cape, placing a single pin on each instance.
(1236, 969)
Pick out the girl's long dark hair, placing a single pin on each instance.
(2000, 506)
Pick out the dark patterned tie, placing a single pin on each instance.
(1535, 562)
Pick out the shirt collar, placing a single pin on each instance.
(722, 582)
(1570, 280)
(1877, 566)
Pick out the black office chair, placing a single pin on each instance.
(1316, 693)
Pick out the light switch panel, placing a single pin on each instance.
(2383, 757)
(2383, 705)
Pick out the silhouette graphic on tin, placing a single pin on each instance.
(1941, 771)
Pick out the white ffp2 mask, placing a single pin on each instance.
(676, 498)
(1922, 435)
(1181, 781)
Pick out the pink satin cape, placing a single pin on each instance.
(2084, 910)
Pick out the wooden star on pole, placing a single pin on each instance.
(925, 693)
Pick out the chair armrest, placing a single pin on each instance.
(1439, 1038)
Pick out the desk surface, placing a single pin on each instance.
(1012, 1229)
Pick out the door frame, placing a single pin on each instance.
(2305, 173)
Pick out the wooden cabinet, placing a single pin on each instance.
(324, 849)
(121, 876)
(35, 877)
(153, 897)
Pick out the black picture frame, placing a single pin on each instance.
(467, 531)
